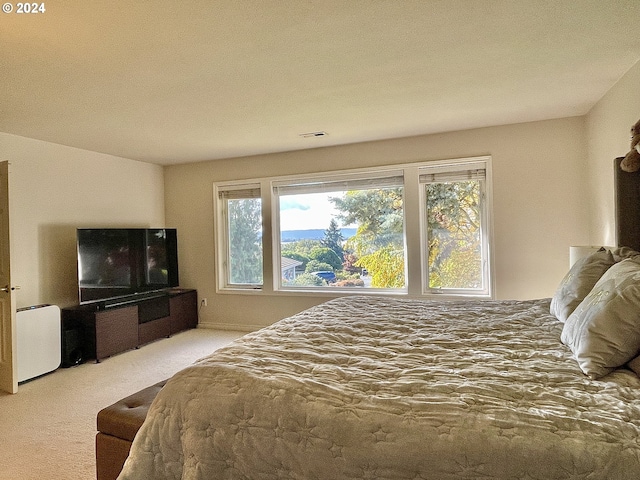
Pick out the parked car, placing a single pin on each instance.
(326, 275)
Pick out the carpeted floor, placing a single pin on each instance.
(47, 430)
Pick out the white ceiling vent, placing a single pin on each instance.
(313, 134)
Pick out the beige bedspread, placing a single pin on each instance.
(379, 388)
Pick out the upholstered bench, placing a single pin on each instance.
(117, 425)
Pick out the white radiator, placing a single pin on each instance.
(39, 346)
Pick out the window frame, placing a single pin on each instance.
(363, 177)
(414, 221)
(221, 220)
(448, 170)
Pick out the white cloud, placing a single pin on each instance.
(290, 203)
(308, 211)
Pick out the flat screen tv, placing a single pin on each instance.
(121, 264)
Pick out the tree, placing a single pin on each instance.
(245, 241)
(333, 238)
(349, 262)
(326, 255)
(317, 266)
(377, 212)
(386, 266)
(379, 240)
(308, 279)
(300, 247)
(453, 229)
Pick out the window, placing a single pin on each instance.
(240, 208)
(417, 229)
(455, 228)
(356, 235)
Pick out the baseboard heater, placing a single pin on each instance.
(39, 345)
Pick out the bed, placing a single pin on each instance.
(391, 388)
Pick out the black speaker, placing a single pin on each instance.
(71, 347)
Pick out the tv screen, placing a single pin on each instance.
(160, 258)
(114, 263)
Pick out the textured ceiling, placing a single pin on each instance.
(171, 82)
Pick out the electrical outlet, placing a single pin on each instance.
(203, 302)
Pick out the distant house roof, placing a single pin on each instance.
(287, 263)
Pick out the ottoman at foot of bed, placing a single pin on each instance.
(117, 426)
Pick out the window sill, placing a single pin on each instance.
(335, 293)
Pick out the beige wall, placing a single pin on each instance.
(608, 126)
(540, 207)
(55, 189)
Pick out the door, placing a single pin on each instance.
(8, 367)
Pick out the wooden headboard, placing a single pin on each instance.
(627, 187)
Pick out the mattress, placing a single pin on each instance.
(384, 388)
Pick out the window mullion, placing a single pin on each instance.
(413, 231)
(269, 264)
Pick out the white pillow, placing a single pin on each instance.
(604, 330)
(579, 281)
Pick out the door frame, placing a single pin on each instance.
(8, 338)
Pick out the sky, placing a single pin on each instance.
(307, 211)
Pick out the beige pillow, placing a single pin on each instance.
(577, 284)
(604, 331)
(635, 365)
(622, 253)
